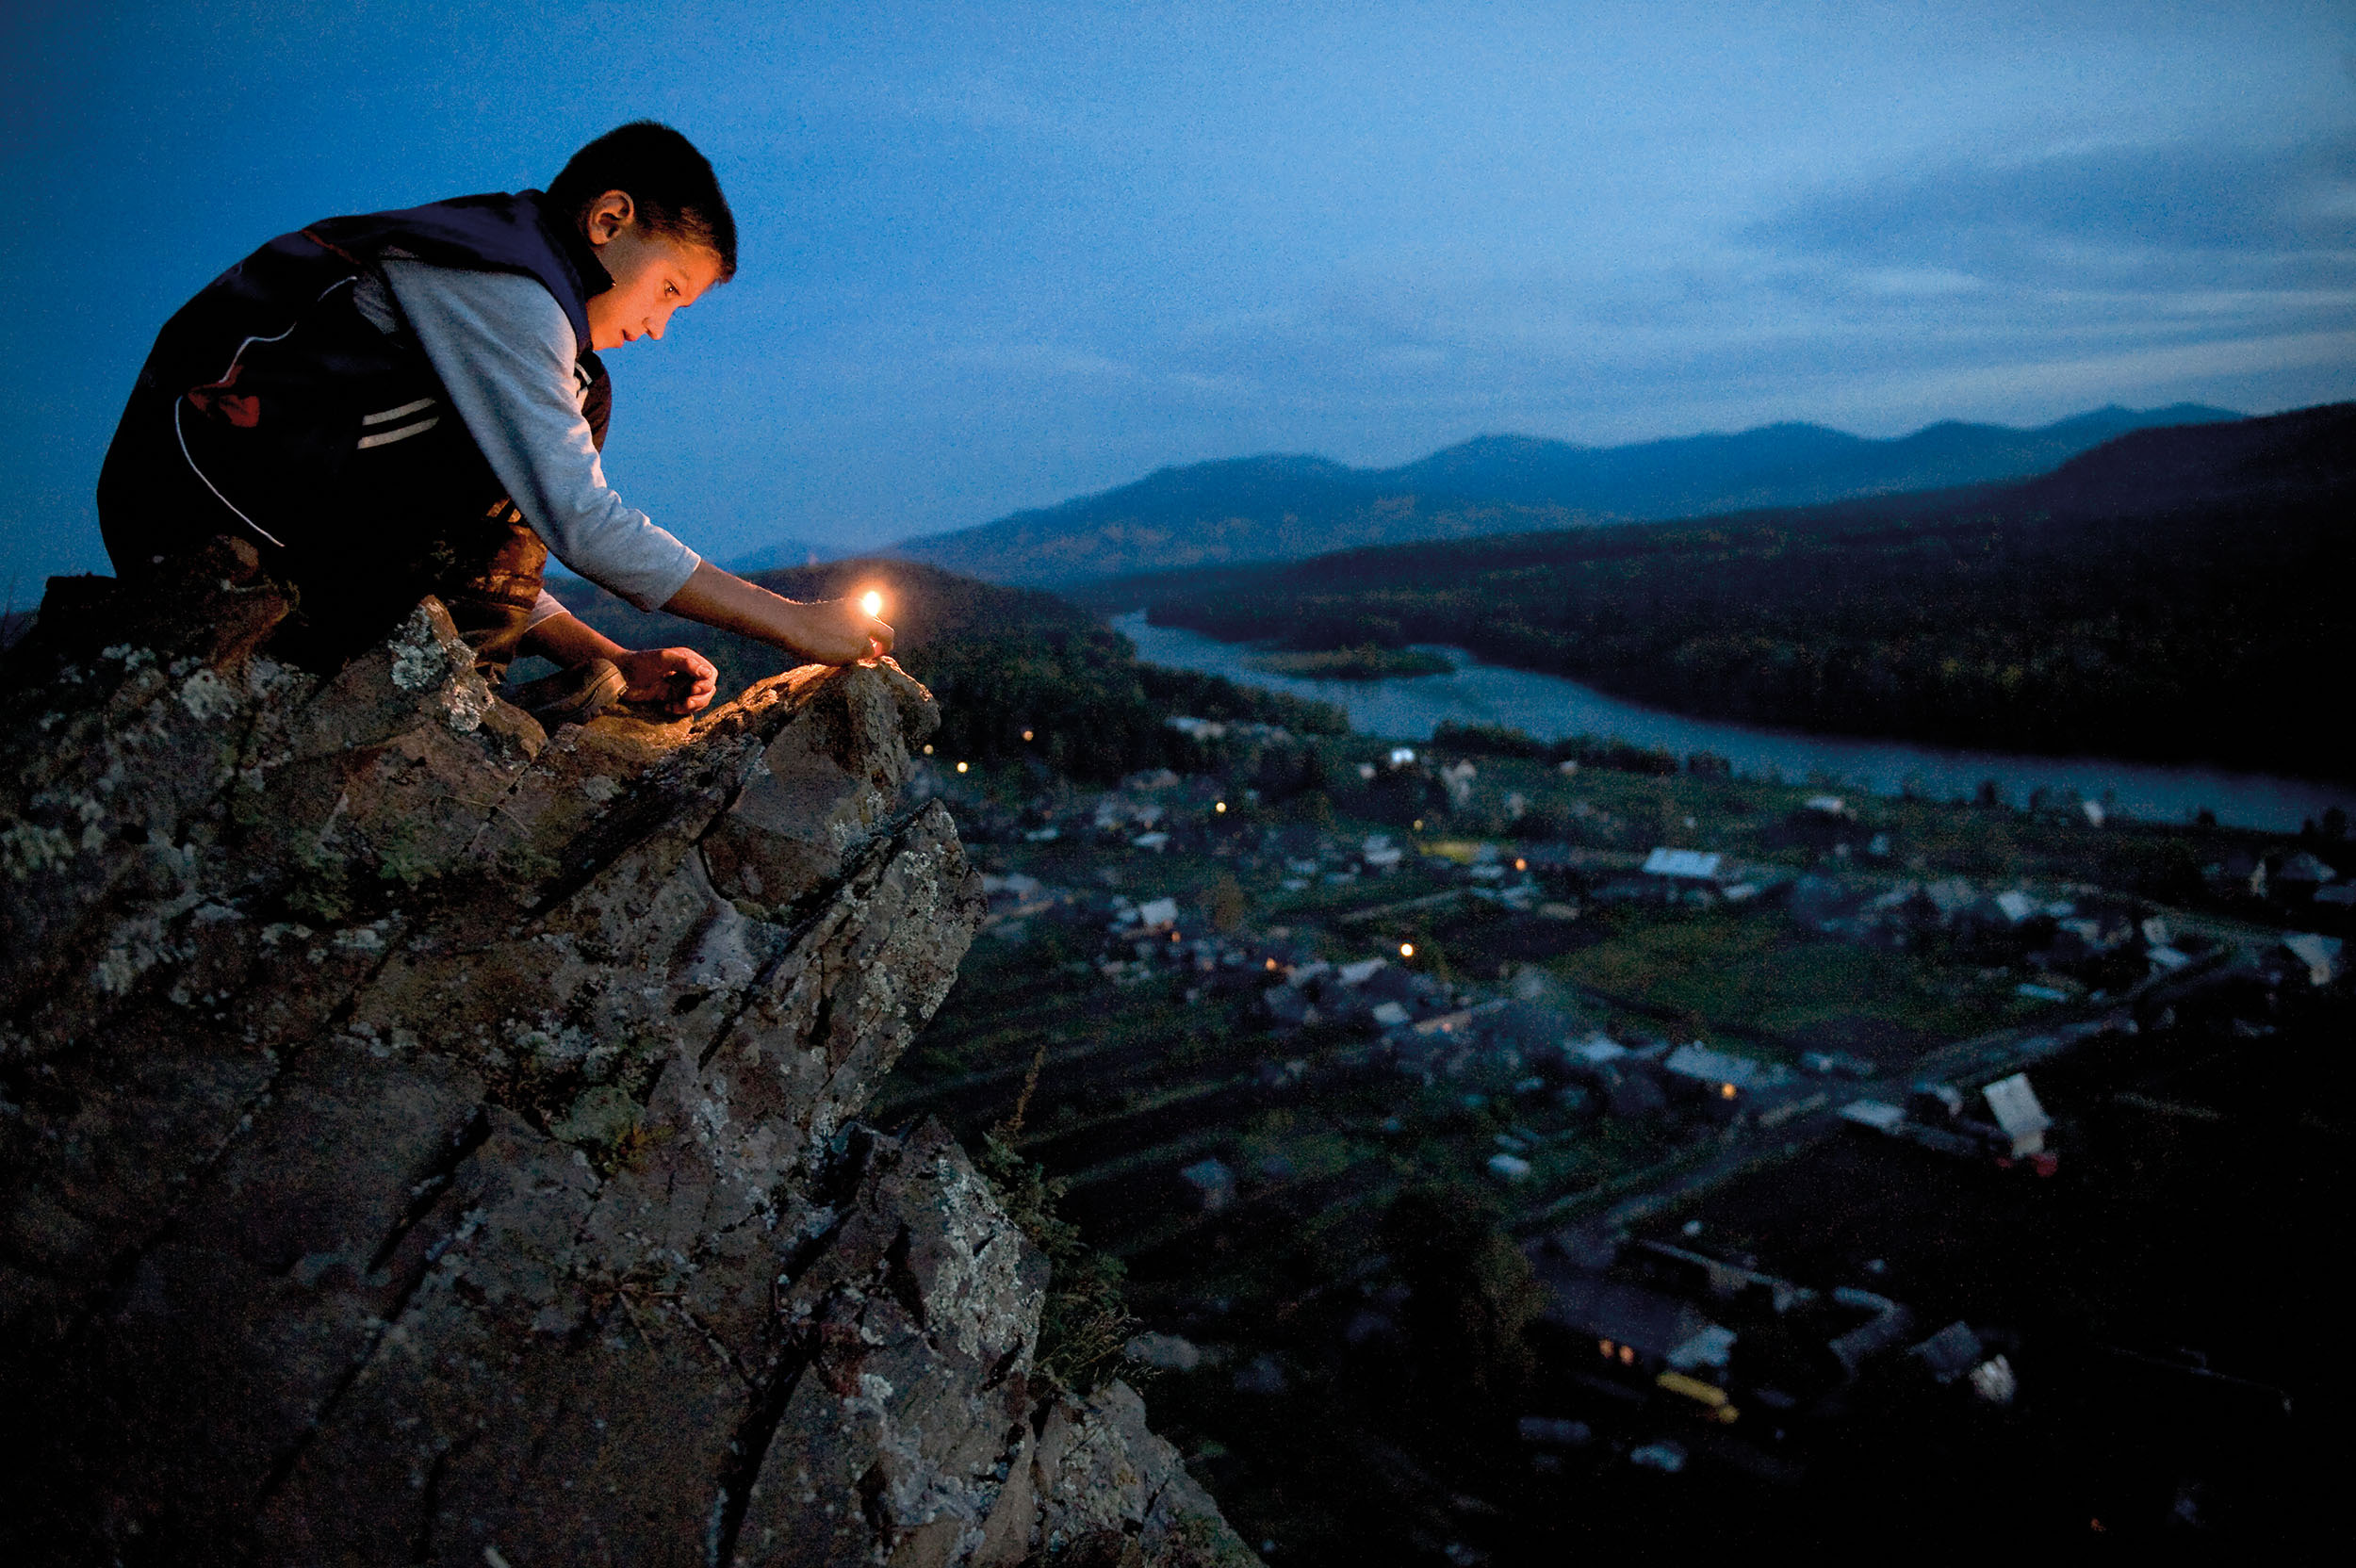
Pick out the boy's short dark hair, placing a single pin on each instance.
(676, 192)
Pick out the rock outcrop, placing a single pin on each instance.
(424, 1140)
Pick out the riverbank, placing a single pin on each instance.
(1554, 708)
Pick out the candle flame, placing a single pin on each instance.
(871, 602)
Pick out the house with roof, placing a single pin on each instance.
(1823, 822)
(1722, 1084)
(1887, 1324)
(1691, 876)
(2318, 954)
(1630, 1330)
(2020, 1118)
(2238, 872)
(1625, 1084)
(2301, 876)
(1684, 865)
(1289, 1006)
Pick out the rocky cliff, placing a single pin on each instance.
(426, 1139)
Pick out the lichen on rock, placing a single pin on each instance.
(426, 1138)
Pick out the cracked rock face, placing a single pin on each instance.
(424, 1140)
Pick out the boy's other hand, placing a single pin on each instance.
(680, 679)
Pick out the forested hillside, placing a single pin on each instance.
(1242, 508)
(1287, 507)
(2174, 595)
(1001, 660)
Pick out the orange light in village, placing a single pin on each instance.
(1027, 734)
(1407, 950)
(960, 767)
(1521, 865)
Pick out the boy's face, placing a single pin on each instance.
(653, 275)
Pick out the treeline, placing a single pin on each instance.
(1001, 661)
(1496, 740)
(2180, 595)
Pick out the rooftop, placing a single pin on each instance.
(1682, 862)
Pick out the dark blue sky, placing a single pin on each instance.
(997, 255)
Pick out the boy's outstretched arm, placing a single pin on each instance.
(828, 631)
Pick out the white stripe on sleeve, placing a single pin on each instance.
(505, 353)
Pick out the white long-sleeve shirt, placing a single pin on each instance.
(505, 353)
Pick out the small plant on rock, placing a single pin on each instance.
(1085, 1321)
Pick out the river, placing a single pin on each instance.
(1551, 708)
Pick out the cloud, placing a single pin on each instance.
(2152, 215)
(2022, 290)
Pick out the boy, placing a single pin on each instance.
(411, 402)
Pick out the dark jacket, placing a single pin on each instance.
(271, 409)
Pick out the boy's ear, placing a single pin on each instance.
(608, 216)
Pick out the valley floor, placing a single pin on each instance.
(1360, 1086)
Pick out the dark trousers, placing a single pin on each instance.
(360, 556)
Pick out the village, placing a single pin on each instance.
(1242, 1012)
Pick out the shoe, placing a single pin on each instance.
(571, 696)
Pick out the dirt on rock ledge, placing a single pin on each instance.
(424, 1140)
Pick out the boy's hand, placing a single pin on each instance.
(833, 632)
(682, 679)
(837, 631)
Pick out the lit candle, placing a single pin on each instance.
(871, 602)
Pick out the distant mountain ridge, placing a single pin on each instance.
(779, 554)
(1288, 507)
